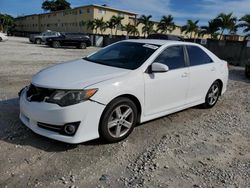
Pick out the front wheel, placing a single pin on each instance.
(118, 120)
(213, 95)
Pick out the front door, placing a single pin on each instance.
(167, 90)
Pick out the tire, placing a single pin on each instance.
(118, 120)
(38, 41)
(56, 44)
(1, 39)
(213, 95)
(82, 45)
(247, 71)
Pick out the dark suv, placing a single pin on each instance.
(78, 40)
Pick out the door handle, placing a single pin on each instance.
(184, 75)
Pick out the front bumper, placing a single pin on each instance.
(88, 113)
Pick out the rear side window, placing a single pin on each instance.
(173, 57)
(197, 56)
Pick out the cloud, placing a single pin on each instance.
(202, 10)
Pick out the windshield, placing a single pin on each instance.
(127, 55)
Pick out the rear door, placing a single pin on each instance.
(203, 72)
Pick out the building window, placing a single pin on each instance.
(101, 11)
(121, 15)
(81, 11)
(88, 10)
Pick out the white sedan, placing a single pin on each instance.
(3, 37)
(107, 93)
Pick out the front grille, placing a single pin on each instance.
(38, 94)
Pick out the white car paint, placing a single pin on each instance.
(159, 94)
(3, 37)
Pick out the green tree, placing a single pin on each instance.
(166, 24)
(191, 27)
(55, 5)
(111, 25)
(148, 25)
(100, 24)
(245, 23)
(91, 25)
(6, 22)
(227, 22)
(211, 29)
(116, 22)
(131, 29)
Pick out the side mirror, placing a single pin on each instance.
(159, 67)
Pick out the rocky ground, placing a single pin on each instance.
(193, 148)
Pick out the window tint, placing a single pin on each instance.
(197, 56)
(173, 57)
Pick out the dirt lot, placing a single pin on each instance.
(192, 148)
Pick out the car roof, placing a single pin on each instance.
(159, 41)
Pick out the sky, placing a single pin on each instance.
(181, 10)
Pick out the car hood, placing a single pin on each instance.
(76, 74)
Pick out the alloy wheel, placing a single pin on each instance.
(120, 121)
(213, 94)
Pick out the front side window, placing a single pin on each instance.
(197, 56)
(128, 55)
(173, 57)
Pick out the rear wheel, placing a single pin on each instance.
(56, 44)
(38, 41)
(1, 39)
(118, 120)
(213, 95)
(82, 45)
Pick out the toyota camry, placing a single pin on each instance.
(110, 91)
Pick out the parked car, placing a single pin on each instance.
(41, 37)
(247, 69)
(107, 93)
(69, 39)
(3, 37)
(165, 37)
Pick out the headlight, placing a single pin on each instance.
(70, 97)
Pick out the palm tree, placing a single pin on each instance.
(117, 20)
(91, 25)
(110, 24)
(131, 30)
(166, 24)
(245, 23)
(211, 29)
(100, 24)
(6, 22)
(191, 27)
(226, 21)
(147, 24)
(114, 23)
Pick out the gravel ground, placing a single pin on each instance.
(193, 148)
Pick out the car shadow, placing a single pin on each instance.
(62, 47)
(238, 74)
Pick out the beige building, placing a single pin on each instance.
(72, 20)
